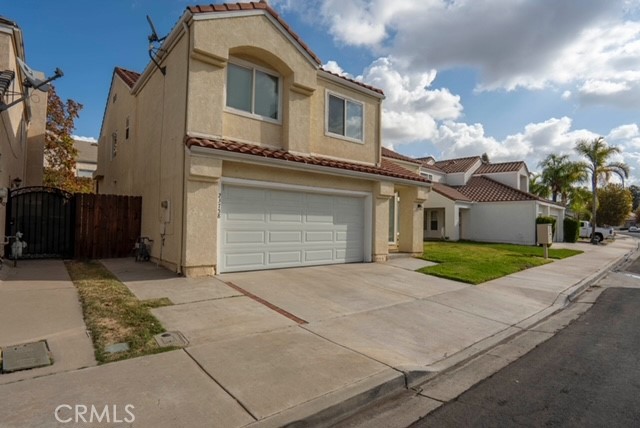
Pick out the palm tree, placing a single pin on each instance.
(597, 152)
(537, 187)
(560, 174)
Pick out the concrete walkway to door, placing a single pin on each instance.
(274, 347)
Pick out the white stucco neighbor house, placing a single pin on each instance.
(480, 201)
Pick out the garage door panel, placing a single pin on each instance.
(248, 195)
(325, 255)
(286, 215)
(285, 237)
(244, 260)
(245, 216)
(244, 237)
(288, 257)
(324, 236)
(288, 229)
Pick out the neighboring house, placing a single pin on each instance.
(22, 136)
(479, 201)
(87, 160)
(248, 155)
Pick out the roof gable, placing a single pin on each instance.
(128, 77)
(235, 9)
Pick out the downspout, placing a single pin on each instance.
(180, 266)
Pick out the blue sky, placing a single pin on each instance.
(517, 79)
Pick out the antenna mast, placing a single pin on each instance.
(155, 44)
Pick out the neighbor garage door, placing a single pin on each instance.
(267, 229)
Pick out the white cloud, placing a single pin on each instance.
(590, 44)
(411, 107)
(88, 139)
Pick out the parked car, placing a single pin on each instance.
(634, 229)
(601, 232)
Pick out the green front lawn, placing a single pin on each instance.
(476, 262)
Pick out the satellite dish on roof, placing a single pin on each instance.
(32, 81)
(154, 45)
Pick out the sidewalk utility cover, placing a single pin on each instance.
(171, 338)
(25, 356)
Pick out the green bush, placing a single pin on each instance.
(571, 229)
(546, 220)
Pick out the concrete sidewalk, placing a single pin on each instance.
(38, 301)
(271, 348)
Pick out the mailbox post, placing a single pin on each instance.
(545, 237)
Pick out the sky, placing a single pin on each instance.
(516, 79)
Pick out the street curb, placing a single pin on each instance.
(577, 289)
(341, 404)
(335, 406)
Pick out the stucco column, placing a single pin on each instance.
(202, 182)
(297, 121)
(384, 191)
(411, 219)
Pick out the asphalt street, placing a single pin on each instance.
(588, 375)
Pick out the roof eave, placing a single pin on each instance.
(258, 160)
(342, 81)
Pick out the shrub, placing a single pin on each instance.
(571, 229)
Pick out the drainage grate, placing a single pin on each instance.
(171, 338)
(25, 356)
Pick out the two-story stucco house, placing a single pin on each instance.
(480, 201)
(248, 155)
(23, 122)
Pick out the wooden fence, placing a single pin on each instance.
(106, 225)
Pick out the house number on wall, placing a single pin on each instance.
(219, 203)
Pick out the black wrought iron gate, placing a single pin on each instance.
(45, 216)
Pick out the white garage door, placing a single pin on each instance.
(268, 229)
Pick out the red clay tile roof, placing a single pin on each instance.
(236, 7)
(483, 189)
(457, 165)
(129, 77)
(395, 155)
(249, 6)
(450, 192)
(387, 168)
(432, 166)
(357, 82)
(491, 168)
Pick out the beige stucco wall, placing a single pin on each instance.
(190, 99)
(302, 126)
(327, 145)
(151, 162)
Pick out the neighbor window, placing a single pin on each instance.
(345, 117)
(253, 91)
(114, 145)
(87, 173)
(434, 220)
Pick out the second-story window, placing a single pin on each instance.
(253, 90)
(114, 145)
(345, 117)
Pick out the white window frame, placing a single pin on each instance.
(326, 117)
(254, 67)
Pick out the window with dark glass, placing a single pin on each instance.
(345, 117)
(253, 91)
